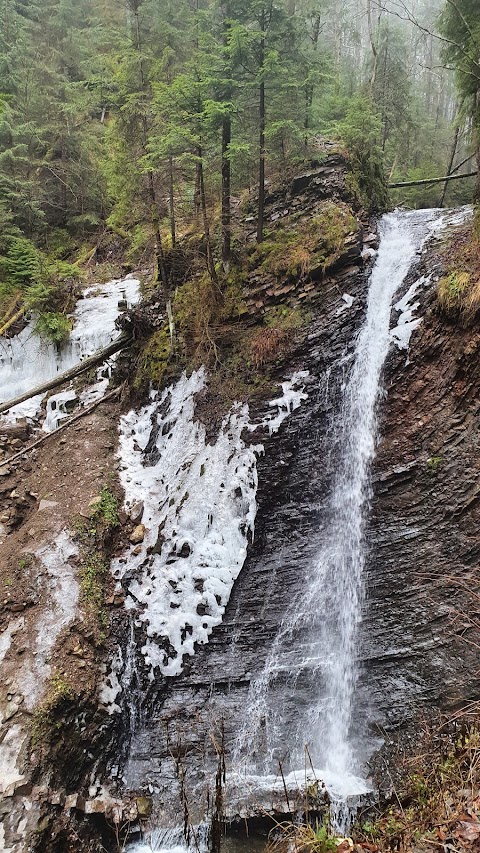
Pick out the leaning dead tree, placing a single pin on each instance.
(92, 361)
(65, 425)
(432, 180)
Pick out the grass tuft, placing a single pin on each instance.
(458, 291)
(301, 838)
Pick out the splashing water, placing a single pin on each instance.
(172, 840)
(304, 698)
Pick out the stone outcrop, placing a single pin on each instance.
(420, 633)
(169, 736)
(422, 654)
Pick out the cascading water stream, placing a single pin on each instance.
(302, 708)
(311, 672)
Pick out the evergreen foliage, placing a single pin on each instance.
(460, 26)
(153, 118)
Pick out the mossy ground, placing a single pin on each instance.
(459, 288)
(94, 537)
(211, 319)
(243, 358)
(47, 715)
(306, 243)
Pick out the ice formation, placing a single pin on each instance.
(199, 512)
(26, 361)
(64, 591)
(292, 397)
(111, 687)
(7, 635)
(406, 323)
(347, 303)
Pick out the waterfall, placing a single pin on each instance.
(303, 702)
(302, 709)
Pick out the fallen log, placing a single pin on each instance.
(432, 180)
(4, 463)
(92, 361)
(13, 305)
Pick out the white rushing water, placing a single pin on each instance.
(26, 361)
(173, 841)
(303, 701)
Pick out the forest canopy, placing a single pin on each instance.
(150, 118)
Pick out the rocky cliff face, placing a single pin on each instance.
(421, 629)
(161, 737)
(419, 632)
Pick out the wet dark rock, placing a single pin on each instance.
(136, 512)
(422, 540)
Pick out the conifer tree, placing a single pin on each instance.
(460, 25)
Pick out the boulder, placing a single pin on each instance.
(136, 512)
(138, 535)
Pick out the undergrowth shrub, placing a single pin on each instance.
(54, 328)
(459, 295)
(30, 281)
(305, 837)
(267, 345)
(278, 335)
(23, 266)
(438, 789)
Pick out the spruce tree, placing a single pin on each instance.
(460, 26)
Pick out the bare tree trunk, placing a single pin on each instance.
(226, 194)
(171, 199)
(226, 166)
(63, 426)
(196, 195)
(434, 180)
(476, 131)
(384, 109)
(60, 379)
(373, 76)
(450, 165)
(206, 227)
(309, 90)
(261, 118)
(159, 253)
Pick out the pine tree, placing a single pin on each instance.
(460, 26)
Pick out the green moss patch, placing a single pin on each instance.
(47, 715)
(94, 537)
(317, 241)
(458, 291)
(154, 357)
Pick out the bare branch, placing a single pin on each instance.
(410, 18)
